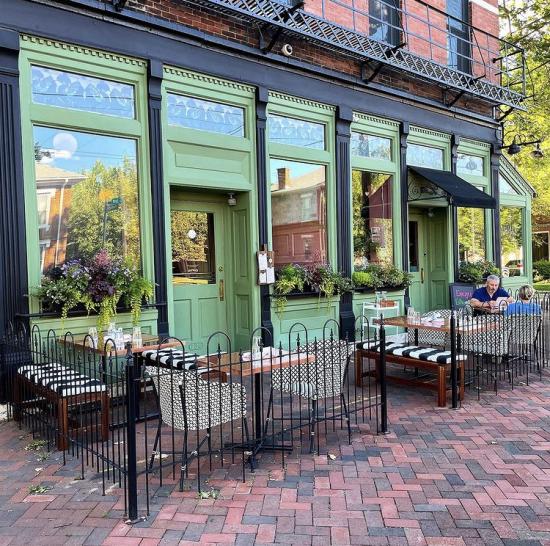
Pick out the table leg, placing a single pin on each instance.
(454, 371)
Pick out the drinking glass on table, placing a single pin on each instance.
(410, 314)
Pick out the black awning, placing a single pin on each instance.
(459, 192)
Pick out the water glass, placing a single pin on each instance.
(137, 340)
(256, 348)
(410, 314)
(93, 339)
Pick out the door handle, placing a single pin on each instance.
(422, 275)
(222, 290)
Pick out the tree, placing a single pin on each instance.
(527, 25)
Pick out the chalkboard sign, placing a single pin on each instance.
(460, 294)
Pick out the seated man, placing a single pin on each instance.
(486, 297)
(524, 306)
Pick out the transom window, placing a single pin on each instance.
(469, 164)
(424, 156)
(370, 146)
(296, 132)
(74, 91)
(205, 115)
(505, 187)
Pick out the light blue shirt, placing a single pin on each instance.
(520, 308)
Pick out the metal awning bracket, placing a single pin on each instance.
(119, 4)
(375, 71)
(284, 18)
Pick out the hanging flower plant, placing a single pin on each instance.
(98, 284)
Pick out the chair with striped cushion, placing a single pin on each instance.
(319, 380)
(188, 402)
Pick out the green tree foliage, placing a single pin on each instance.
(185, 247)
(527, 24)
(91, 219)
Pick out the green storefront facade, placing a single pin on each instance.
(269, 159)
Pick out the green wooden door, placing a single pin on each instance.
(198, 271)
(437, 242)
(417, 262)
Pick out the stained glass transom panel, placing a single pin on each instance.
(469, 164)
(78, 92)
(296, 132)
(370, 146)
(205, 115)
(424, 156)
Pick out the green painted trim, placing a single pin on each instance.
(95, 63)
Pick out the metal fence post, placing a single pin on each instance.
(454, 378)
(131, 416)
(382, 379)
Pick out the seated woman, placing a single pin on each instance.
(524, 306)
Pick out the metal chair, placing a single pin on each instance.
(322, 379)
(195, 405)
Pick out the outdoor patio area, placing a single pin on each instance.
(476, 475)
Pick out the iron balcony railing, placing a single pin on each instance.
(411, 36)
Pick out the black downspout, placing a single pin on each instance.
(343, 215)
(455, 142)
(404, 180)
(155, 75)
(262, 99)
(14, 284)
(495, 164)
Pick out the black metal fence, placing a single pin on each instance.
(147, 418)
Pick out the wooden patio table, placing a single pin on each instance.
(231, 363)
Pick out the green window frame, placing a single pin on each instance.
(90, 63)
(308, 111)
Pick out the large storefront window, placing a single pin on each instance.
(471, 234)
(298, 212)
(372, 218)
(87, 194)
(511, 241)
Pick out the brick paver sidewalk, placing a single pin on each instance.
(478, 475)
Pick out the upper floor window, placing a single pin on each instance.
(370, 146)
(458, 37)
(384, 21)
(78, 92)
(505, 187)
(296, 132)
(424, 156)
(469, 164)
(205, 115)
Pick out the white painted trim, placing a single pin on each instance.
(485, 5)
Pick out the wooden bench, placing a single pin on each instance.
(433, 360)
(64, 388)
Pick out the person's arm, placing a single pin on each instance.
(476, 304)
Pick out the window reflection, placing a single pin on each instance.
(296, 132)
(471, 234)
(87, 194)
(372, 218)
(205, 115)
(424, 156)
(511, 241)
(384, 21)
(298, 212)
(78, 92)
(193, 253)
(370, 146)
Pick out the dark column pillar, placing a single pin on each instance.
(262, 98)
(157, 193)
(495, 163)
(13, 250)
(343, 215)
(455, 141)
(404, 181)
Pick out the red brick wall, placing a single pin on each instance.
(244, 33)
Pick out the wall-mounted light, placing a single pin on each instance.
(430, 212)
(231, 200)
(537, 153)
(515, 147)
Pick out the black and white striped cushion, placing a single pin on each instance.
(172, 358)
(427, 354)
(61, 380)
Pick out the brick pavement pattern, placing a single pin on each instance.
(478, 475)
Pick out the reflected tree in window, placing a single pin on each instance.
(511, 239)
(372, 218)
(471, 234)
